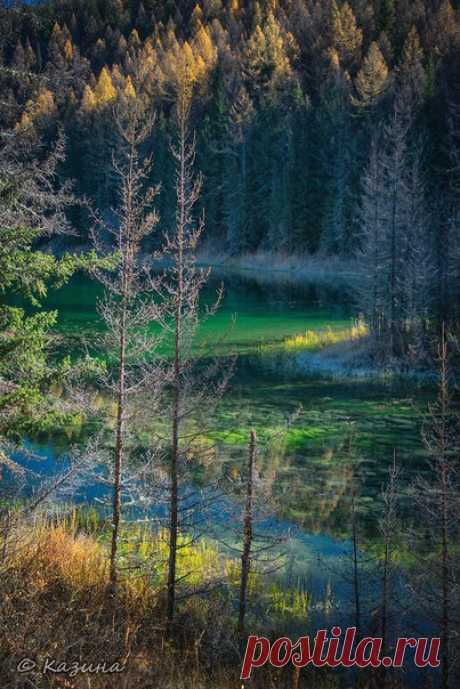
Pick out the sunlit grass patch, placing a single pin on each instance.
(318, 339)
(290, 605)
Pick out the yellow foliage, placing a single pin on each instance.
(334, 58)
(134, 39)
(203, 45)
(201, 69)
(104, 91)
(197, 17)
(270, 51)
(348, 37)
(129, 91)
(88, 102)
(412, 51)
(68, 50)
(189, 60)
(25, 122)
(372, 79)
(44, 106)
(117, 77)
(56, 34)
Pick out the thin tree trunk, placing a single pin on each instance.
(445, 589)
(128, 257)
(355, 566)
(445, 624)
(393, 276)
(247, 543)
(388, 530)
(174, 506)
(134, 220)
(119, 448)
(385, 596)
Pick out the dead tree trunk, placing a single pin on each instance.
(174, 486)
(128, 255)
(444, 470)
(123, 313)
(247, 535)
(354, 528)
(388, 527)
(185, 201)
(119, 447)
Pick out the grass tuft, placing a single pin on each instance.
(318, 339)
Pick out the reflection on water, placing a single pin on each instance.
(321, 437)
(347, 429)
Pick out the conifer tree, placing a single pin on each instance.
(396, 258)
(372, 79)
(411, 72)
(104, 92)
(33, 210)
(436, 583)
(347, 37)
(190, 393)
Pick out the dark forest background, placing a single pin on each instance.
(323, 127)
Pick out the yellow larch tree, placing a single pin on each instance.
(347, 37)
(104, 92)
(38, 110)
(68, 50)
(372, 79)
(129, 91)
(88, 101)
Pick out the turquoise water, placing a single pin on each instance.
(322, 437)
(346, 429)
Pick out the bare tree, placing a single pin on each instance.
(371, 293)
(247, 534)
(395, 255)
(129, 305)
(438, 501)
(356, 577)
(388, 527)
(193, 393)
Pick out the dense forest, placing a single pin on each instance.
(323, 127)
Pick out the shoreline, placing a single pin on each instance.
(288, 267)
(338, 360)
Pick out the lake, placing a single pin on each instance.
(324, 436)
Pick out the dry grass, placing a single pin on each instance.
(55, 603)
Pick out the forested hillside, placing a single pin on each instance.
(323, 126)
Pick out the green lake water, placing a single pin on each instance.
(323, 436)
(347, 429)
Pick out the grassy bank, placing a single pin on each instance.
(56, 605)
